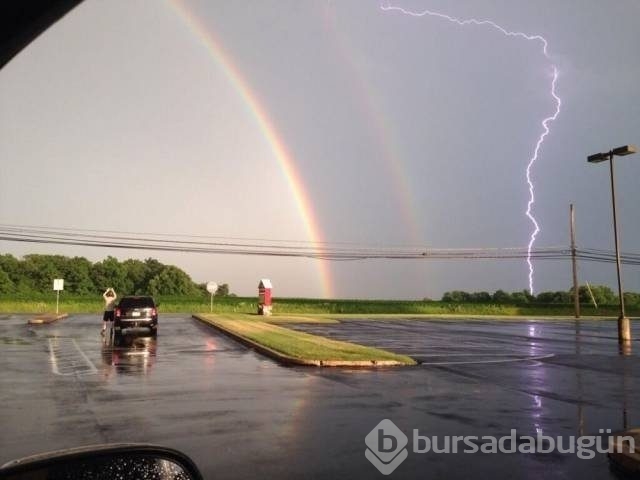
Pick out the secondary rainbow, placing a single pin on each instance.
(279, 149)
(363, 91)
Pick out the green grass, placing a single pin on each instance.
(283, 319)
(301, 345)
(291, 307)
(95, 304)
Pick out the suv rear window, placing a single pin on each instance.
(137, 302)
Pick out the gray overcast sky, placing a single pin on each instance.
(405, 131)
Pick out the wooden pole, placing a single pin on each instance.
(576, 293)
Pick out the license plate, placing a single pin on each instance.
(135, 314)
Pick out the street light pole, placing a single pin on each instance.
(617, 242)
(624, 325)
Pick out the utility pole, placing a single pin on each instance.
(576, 294)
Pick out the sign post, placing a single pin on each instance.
(212, 288)
(58, 284)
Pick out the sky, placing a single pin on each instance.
(328, 121)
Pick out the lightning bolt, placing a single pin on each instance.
(545, 123)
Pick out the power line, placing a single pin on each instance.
(285, 248)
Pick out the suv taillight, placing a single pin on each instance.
(154, 312)
(118, 313)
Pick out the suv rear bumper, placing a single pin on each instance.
(125, 323)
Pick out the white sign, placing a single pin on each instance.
(58, 284)
(212, 287)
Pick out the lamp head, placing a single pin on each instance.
(618, 152)
(625, 150)
(598, 157)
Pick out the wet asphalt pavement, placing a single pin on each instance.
(239, 415)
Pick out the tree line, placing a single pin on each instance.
(35, 273)
(601, 294)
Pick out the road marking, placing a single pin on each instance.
(68, 359)
(467, 354)
(502, 360)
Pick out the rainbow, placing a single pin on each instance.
(383, 132)
(275, 142)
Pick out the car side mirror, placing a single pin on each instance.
(122, 461)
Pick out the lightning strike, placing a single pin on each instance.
(545, 123)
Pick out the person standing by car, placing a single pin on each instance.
(109, 296)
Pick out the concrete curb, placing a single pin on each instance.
(47, 318)
(620, 454)
(292, 361)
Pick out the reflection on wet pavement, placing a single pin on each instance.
(128, 354)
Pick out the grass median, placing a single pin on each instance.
(295, 347)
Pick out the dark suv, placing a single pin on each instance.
(136, 312)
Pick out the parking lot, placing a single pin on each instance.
(238, 414)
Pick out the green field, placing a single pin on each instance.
(292, 306)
